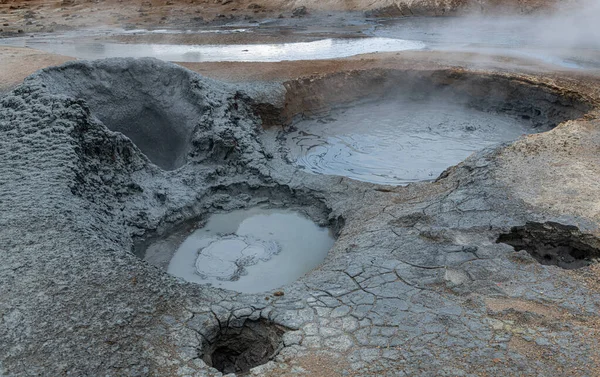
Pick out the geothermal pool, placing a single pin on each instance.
(321, 49)
(253, 250)
(397, 142)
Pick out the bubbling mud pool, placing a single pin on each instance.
(250, 251)
(396, 142)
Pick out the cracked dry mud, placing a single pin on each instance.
(414, 285)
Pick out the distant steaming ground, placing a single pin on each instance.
(516, 37)
(570, 39)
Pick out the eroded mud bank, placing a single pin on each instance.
(415, 283)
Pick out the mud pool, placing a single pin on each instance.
(397, 142)
(249, 251)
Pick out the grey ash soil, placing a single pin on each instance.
(406, 289)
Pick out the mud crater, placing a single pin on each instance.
(152, 104)
(397, 127)
(554, 244)
(254, 246)
(239, 349)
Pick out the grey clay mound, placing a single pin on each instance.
(100, 158)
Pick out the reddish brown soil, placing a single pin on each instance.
(48, 15)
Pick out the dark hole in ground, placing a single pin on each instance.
(239, 349)
(554, 244)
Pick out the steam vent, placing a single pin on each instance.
(259, 189)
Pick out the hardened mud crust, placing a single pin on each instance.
(99, 157)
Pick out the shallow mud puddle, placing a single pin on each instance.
(251, 250)
(321, 49)
(397, 142)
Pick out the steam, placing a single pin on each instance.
(572, 25)
(569, 36)
(575, 25)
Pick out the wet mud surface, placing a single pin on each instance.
(415, 283)
(397, 141)
(252, 251)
